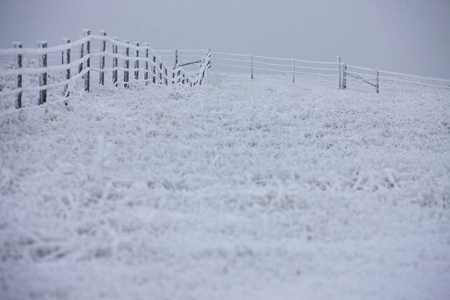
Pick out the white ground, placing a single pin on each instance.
(238, 189)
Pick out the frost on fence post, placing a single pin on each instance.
(146, 64)
(126, 74)
(160, 71)
(176, 58)
(115, 62)
(293, 70)
(18, 45)
(102, 58)
(80, 67)
(344, 77)
(43, 75)
(154, 69)
(251, 61)
(165, 78)
(340, 72)
(87, 76)
(136, 64)
(378, 80)
(67, 52)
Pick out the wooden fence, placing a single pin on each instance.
(138, 63)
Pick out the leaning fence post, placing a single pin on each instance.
(378, 80)
(126, 74)
(136, 64)
(251, 59)
(102, 58)
(146, 64)
(18, 45)
(344, 75)
(87, 76)
(340, 72)
(66, 86)
(43, 75)
(115, 62)
(293, 70)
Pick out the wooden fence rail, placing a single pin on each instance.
(148, 66)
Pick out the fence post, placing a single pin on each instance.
(115, 63)
(293, 70)
(62, 55)
(43, 76)
(251, 59)
(80, 67)
(146, 64)
(176, 59)
(18, 45)
(66, 86)
(126, 74)
(87, 78)
(136, 63)
(154, 70)
(102, 58)
(340, 72)
(165, 78)
(344, 79)
(378, 80)
(160, 73)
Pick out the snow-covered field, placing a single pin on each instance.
(237, 189)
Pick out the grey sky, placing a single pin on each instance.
(411, 36)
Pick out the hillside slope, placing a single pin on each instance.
(237, 189)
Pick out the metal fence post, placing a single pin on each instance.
(18, 45)
(66, 86)
(102, 58)
(43, 76)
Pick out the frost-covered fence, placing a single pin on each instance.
(42, 72)
(376, 77)
(256, 63)
(345, 73)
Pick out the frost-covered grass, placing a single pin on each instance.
(237, 189)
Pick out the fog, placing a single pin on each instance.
(408, 36)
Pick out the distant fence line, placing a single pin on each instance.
(341, 70)
(147, 66)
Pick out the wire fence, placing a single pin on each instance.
(346, 74)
